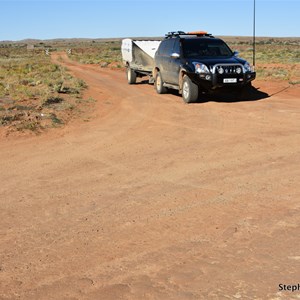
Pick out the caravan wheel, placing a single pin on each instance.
(131, 76)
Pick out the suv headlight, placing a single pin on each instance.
(248, 67)
(201, 68)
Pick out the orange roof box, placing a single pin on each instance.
(198, 32)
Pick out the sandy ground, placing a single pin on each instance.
(155, 199)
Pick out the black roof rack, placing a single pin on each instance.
(180, 33)
(174, 33)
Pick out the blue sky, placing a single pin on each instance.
(103, 18)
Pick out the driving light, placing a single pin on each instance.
(238, 70)
(248, 67)
(220, 70)
(200, 68)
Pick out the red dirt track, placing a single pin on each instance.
(154, 198)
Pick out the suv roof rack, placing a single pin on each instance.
(174, 33)
(179, 33)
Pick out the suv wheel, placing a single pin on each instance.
(189, 90)
(131, 76)
(160, 89)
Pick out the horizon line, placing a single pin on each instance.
(139, 37)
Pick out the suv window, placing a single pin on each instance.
(166, 47)
(176, 48)
(205, 47)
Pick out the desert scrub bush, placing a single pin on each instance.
(52, 100)
(294, 82)
(28, 79)
(98, 52)
(273, 73)
(81, 84)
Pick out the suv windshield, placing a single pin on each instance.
(193, 48)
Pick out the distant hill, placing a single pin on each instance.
(87, 40)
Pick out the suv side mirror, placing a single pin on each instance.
(235, 53)
(175, 55)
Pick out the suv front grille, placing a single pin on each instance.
(228, 69)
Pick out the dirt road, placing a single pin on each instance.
(155, 199)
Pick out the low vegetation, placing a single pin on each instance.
(103, 53)
(35, 93)
(276, 58)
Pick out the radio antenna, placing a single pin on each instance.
(253, 32)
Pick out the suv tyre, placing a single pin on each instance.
(159, 84)
(189, 90)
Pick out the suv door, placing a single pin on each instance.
(163, 58)
(174, 63)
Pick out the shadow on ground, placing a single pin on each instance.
(234, 95)
(229, 95)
